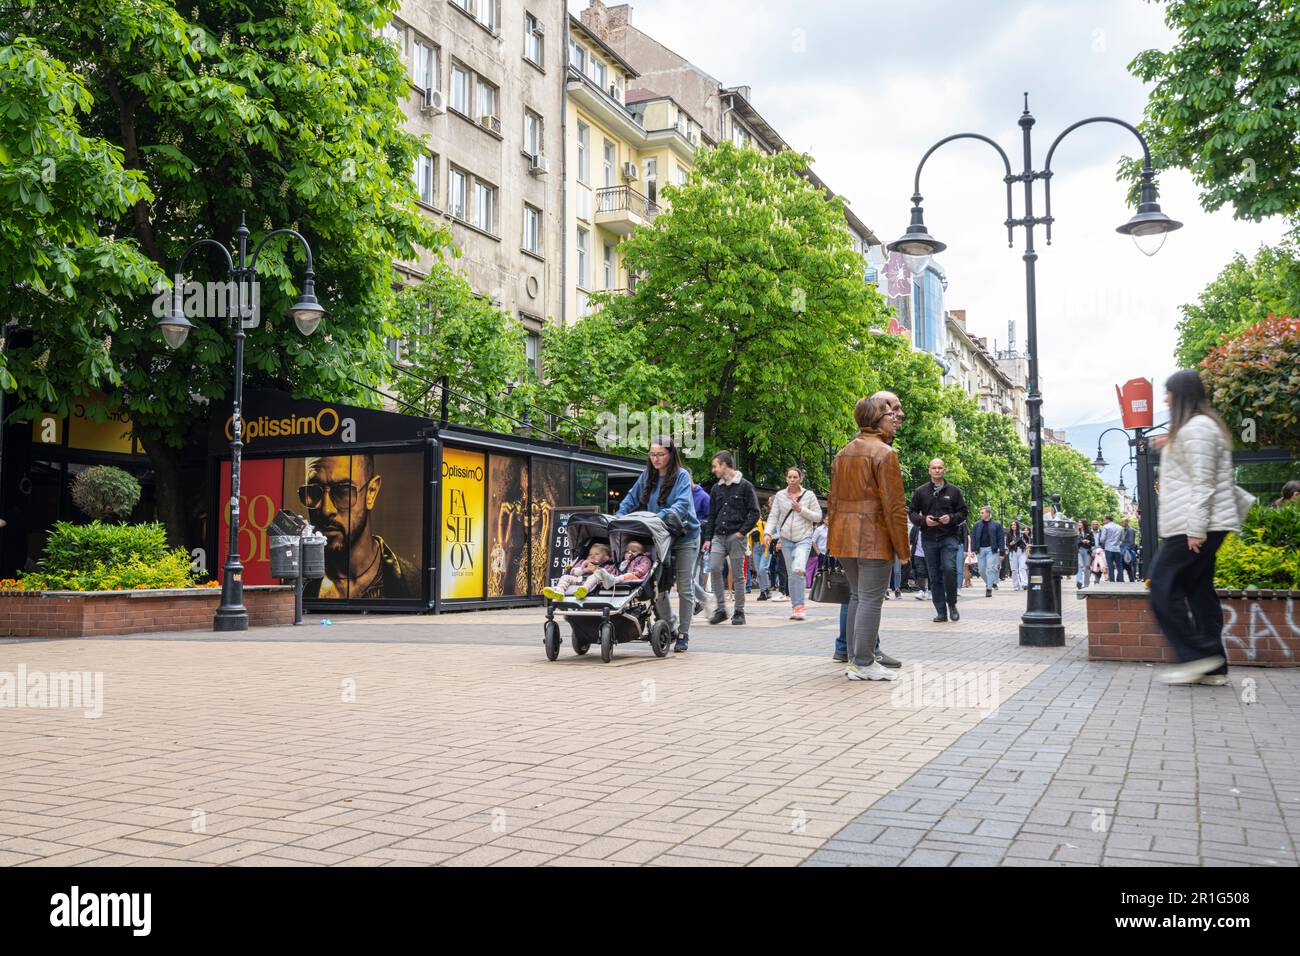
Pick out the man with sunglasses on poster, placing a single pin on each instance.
(339, 495)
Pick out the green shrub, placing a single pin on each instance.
(109, 557)
(105, 492)
(1251, 564)
(1277, 527)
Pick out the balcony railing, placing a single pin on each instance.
(625, 199)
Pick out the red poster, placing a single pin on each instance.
(261, 483)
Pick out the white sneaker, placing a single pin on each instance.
(1214, 680)
(874, 672)
(921, 595)
(1189, 672)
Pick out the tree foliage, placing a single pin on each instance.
(1225, 103)
(104, 492)
(1254, 382)
(289, 111)
(1068, 472)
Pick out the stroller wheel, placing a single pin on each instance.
(607, 642)
(551, 640)
(660, 637)
(579, 646)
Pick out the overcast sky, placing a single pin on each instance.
(867, 87)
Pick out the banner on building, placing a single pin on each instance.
(463, 525)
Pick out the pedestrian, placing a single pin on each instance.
(776, 570)
(1084, 542)
(762, 561)
(665, 489)
(1098, 563)
(733, 511)
(818, 553)
(989, 543)
(700, 498)
(867, 519)
(939, 510)
(1199, 505)
(1290, 490)
(1112, 543)
(918, 563)
(966, 558)
(1018, 553)
(794, 516)
(1130, 553)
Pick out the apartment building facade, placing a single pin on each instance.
(623, 144)
(488, 98)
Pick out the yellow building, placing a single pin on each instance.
(622, 144)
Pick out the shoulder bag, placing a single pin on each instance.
(830, 583)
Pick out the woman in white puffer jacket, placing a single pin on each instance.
(1199, 505)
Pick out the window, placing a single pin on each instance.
(584, 252)
(532, 133)
(466, 5)
(584, 202)
(532, 229)
(425, 164)
(485, 203)
(457, 193)
(533, 46)
(597, 71)
(652, 169)
(392, 32)
(611, 160)
(577, 56)
(532, 350)
(739, 136)
(489, 13)
(486, 100)
(681, 176)
(424, 64)
(460, 88)
(611, 266)
(584, 142)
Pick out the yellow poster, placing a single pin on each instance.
(463, 482)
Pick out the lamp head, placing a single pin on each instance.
(306, 312)
(917, 245)
(174, 326)
(1099, 463)
(1149, 226)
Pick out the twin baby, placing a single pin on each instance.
(598, 568)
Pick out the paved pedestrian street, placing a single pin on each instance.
(409, 740)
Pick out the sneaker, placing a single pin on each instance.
(921, 595)
(698, 608)
(580, 592)
(884, 660)
(995, 587)
(797, 615)
(840, 657)
(898, 595)
(718, 616)
(872, 672)
(764, 596)
(988, 592)
(554, 594)
(1214, 680)
(953, 615)
(738, 617)
(1190, 672)
(680, 646)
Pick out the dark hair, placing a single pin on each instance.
(1187, 399)
(652, 473)
(1290, 490)
(726, 458)
(1014, 524)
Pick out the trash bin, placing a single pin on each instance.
(313, 555)
(286, 556)
(1059, 535)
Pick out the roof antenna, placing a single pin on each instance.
(1026, 101)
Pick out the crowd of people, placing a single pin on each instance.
(887, 542)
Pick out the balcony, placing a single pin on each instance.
(621, 209)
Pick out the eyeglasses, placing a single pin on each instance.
(659, 454)
(344, 494)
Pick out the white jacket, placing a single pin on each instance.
(801, 524)
(1197, 493)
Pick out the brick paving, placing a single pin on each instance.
(405, 740)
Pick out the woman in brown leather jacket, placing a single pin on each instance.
(866, 520)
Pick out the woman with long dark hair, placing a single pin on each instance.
(1017, 553)
(665, 489)
(1199, 505)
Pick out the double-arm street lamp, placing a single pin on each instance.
(175, 327)
(1040, 626)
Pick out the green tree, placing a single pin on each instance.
(1245, 293)
(754, 291)
(449, 330)
(1225, 103)
(289, 111)
(1069, 473)
(1254, 382)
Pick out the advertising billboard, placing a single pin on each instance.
(463, 525)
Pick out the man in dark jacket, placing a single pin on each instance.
(939, 510)
(990, 543)
(733, 512)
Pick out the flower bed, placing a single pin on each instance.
(26, 613)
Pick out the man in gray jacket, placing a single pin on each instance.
(1112, 542)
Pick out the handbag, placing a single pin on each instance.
(830, 583)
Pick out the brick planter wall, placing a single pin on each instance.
(91, 613)
(1259, 627)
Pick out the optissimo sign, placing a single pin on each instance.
(326, 423)
(451, 470)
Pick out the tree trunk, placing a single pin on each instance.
(167, 489)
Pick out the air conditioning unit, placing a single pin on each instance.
(434, 102)
(538, 165)
(630, 171)
(491, 122)
(613, 91)
(693, 138)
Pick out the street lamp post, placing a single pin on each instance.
(1040, 625)
(175, 328)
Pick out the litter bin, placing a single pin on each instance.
(1061, 540)
(297, 552)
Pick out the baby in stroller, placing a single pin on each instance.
(636, 565)
(586, 575)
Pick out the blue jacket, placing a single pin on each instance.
(680, 500)
(701, 503)
(988, 535)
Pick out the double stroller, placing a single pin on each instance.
(625, 612)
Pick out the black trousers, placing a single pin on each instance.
(1183, 598)
(941, 569)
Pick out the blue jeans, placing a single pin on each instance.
(1114, 565)
(896, 576)
(796, 563)
(841, 645)
(961, 566)
(761, 561)
(990, 566)
(1081, 576)
(941, 564)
